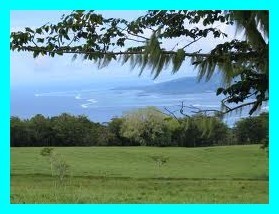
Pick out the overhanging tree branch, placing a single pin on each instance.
(67, 50)
(96, 38)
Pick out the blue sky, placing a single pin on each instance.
(26, 71)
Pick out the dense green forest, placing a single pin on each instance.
(142, 127)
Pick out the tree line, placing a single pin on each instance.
(141, 127)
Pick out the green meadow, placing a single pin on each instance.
(223, 174)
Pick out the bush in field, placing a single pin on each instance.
(58, 165)
(160, 160)
(46, 152)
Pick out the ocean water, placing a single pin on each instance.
(102, 104)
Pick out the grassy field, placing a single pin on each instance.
(232, 174)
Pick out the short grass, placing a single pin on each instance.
(232, 174)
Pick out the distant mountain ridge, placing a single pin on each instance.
(180, 86)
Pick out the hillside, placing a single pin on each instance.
(180, 86)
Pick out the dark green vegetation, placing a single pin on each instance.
(242, 62)
(228, 174)
(142, 127)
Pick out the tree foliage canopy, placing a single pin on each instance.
(141, 127)
(243, 63)
(147, 126)
(252, 129)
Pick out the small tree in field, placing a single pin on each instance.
(58, 165)
(160, 161)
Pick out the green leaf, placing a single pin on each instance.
(40, 40)
(39, 30)
(27, 29)
(219, 91)
(36, 54)
(66, 36)
(46, 28)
